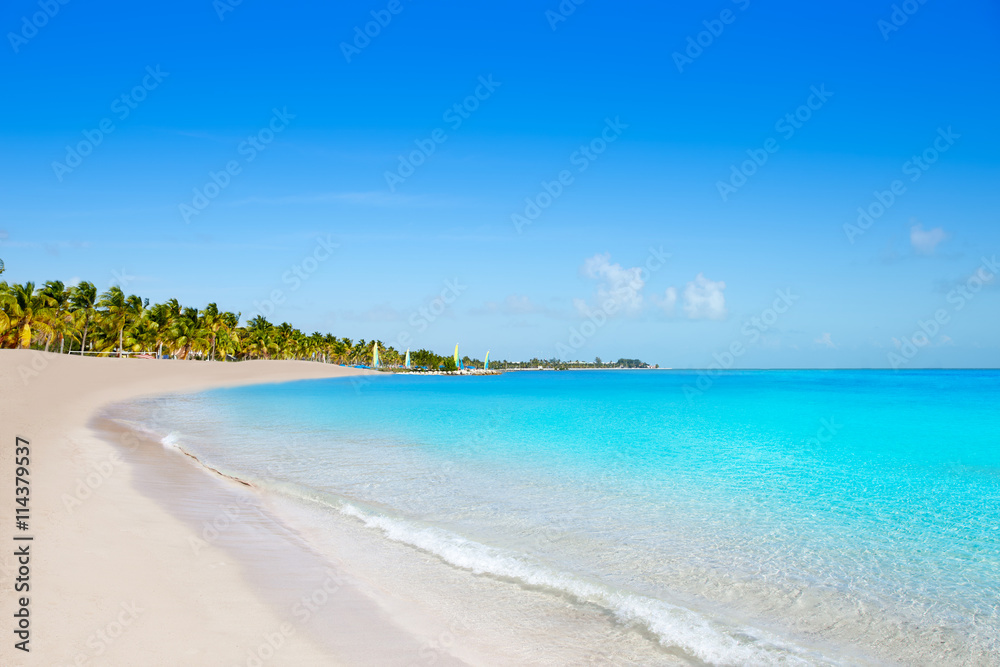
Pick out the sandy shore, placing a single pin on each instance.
(118, 577)
(141, 556)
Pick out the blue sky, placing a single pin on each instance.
(433, 257)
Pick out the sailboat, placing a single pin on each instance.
(407, 362)
(375, 356)
(458, 362)
(486, 361)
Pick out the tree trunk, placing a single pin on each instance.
(121, 341)
(48, 339)
(159, 351)
(61, 341)
(83, 343)
(213, 348)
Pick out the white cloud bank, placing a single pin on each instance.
(615, 282)
(704, 299)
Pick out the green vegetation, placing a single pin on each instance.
(70, 320)
(79, 320)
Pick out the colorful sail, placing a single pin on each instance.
(407, 364)
(375, 356)
(458, 362)
(486, 361)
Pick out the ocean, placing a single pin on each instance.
(767, 517)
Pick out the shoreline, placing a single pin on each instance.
(319, 603)
(140, 552)
(449, 608)
(145, 546)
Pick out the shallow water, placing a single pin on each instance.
(776, 517)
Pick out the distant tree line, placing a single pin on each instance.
(78, 319)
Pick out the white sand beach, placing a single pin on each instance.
(114, 577)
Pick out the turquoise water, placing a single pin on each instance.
(778, 516)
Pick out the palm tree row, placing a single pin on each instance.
(78, 320)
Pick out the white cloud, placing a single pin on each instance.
(704, 299)
(825, 339)
(623, 286)
(924, 242)
(667, 301)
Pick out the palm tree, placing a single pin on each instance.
(142, 336)
(359, 351)
(329, 347)
(119, 311)
(114, 321)
(27, 309)
(211, 322)
(61, 315)
(187, 332)
(391, 356)
(344, 347)
(158, 317)
(82, 299)
(316, 346)
(230, 334)
(4, 318)
(283, 338)
(259, 338)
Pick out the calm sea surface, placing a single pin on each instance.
(778, 516)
